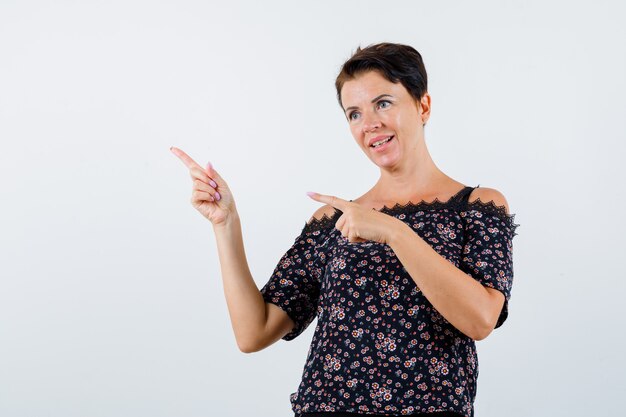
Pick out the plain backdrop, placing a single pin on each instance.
(111, 299)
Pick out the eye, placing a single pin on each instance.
(378, 103)
(384, 101)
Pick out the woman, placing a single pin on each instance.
(403, 279)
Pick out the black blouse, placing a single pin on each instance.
(380, 347)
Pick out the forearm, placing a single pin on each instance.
(246, 305)
(457, 296)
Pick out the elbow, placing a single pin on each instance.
(484, 329)
(488, 319)
(482, 333)
(247, 347)
(476, 331)
(245, 350)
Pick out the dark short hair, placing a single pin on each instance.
(396, 62)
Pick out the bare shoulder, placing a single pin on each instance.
(326, 209)
(489, 194)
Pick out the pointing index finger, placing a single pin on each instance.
(185, 158)
(329, 199)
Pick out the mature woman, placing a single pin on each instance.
(403, 279)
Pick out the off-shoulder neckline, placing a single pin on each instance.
(410, 204)
(455, 202)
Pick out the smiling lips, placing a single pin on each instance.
(377, 138)
(382, 142)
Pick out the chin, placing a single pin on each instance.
(387, 161)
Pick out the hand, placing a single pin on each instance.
(357, 223)
(204, 193)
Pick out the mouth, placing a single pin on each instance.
(382, 144)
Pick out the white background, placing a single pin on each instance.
(111, 300)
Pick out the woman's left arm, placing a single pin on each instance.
(467, 304)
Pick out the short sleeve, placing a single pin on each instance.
(294, 286)
(488, 252)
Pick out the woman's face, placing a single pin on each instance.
(376, 109)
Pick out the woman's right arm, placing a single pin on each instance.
(256, 324)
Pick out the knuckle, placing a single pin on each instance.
(197, 173)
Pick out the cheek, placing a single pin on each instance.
(398, 119)
(356, 134)
(405, 123)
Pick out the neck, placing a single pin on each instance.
(415, 175)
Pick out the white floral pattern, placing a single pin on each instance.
(380, 347)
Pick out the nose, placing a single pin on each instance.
(370, 121)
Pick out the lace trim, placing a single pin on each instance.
(322, 223)
(453, 203)
(491, 208)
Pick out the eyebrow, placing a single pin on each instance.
(373, 101)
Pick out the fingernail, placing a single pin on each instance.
(218, 196)
(310, 193)
(213, 184)
(209, 165)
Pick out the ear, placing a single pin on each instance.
(424, 107)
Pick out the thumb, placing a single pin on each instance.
(213, 174)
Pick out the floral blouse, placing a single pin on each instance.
(379, 346)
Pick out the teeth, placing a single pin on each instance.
(380, 142)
